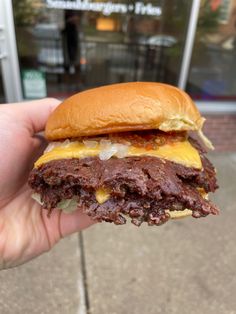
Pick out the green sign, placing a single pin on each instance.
(34, 84)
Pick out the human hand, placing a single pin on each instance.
(25, 229)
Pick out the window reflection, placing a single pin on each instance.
(79, 50)
(213, 70)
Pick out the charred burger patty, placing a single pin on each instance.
(124, 151)
(142, 188)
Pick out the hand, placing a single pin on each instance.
(25, 229)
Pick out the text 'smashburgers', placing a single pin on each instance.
(123, 151)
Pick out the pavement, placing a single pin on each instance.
(184, 267)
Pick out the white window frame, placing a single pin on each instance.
(8, 54)
(214, 107)
(189, 43)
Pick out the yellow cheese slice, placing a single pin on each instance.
(102, 195)
(180, 152)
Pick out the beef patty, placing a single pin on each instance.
(143, 188)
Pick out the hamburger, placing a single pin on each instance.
(125, 151)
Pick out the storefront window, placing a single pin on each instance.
(75, 45)
(213, 70)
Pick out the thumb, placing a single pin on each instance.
(35, 113)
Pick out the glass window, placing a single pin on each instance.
(213, 70)
(83, 44)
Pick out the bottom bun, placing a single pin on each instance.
(184, 213)
(179, 213)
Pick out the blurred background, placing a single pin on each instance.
(58, 47)
(55, 48)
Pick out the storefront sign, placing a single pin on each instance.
(107, 8)
(34, 84)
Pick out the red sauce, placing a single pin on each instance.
(150, 139)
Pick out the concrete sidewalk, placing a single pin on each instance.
(184, 267)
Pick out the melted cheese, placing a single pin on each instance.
(180, 152)
(102, 195)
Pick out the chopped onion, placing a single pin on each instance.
(104, 144)
(107, 148)
(37, 198)
(53, 145)
(122, 150)
(68, 206)
(66, 143)
(90, 144)
(50, 147)
(107, 153)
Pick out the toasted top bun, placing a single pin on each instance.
(124, 107)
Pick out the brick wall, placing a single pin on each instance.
(221, 130)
